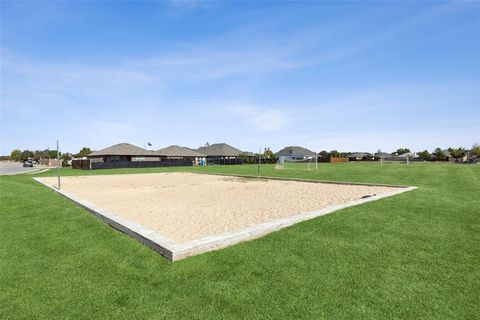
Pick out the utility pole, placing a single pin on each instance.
(58, 167)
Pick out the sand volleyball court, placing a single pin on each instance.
(182, 214)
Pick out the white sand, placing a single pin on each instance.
(188, 206)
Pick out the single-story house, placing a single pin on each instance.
(177, 152)
(122, 152)
(125, 155)
(221, 153)
(360, 156)
(409, 155)
(295, 153)
(449, 157)
(382, 155)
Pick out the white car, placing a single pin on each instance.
(28, 163)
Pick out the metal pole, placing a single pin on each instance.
(58, 167)
(316, 163)
(259, 160)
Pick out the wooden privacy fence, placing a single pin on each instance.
(89, 165)
(335, 160)
(81, 164)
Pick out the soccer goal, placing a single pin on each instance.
(395, 160)
(307, 163)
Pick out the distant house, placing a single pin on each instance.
(125, 155)
(409, 155)
(295, 153)
(382, 155)
(221, 153)
(122, 152)
(219, 150)
(178, 152)
(360, 156)
(449, 157)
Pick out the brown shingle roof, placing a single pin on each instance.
(359, 155)
(178, 151)
(121, 149)
(219, 150)
(295, 151)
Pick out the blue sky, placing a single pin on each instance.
(351, 76)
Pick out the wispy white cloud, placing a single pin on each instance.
(369, 41)
(127, 103)
(211, 64)
(264, 119)
(246, 51)
(140, 97)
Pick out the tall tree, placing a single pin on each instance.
(425, 155)
(16, 155)
(65, 158)
(268, 154)
(38, 155)
(438, 154)
(52, 154)
(402, 151)
(456, 153)
(324, 154)
(83, 153)
(335, 154)
(476, 150)
(26, 154)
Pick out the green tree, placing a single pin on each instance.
(438, 154)
(26, 154)
(425, 155)
(38, 155)
(65, 158)
(268, 154)
(324, 154)
(83, 153)
(248, 157)
(456, 153)
(16, 155)
(335, 154)
(476, 150)
(402, 151)
(52, 154)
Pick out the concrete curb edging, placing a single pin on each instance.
(42, 170)
(176, 251)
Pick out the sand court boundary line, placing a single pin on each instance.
(347, 183)
(175, 251)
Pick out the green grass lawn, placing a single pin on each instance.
(412, 256)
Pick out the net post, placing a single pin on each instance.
(259, 161)
(58, 167)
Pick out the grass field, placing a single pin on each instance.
(412, 256)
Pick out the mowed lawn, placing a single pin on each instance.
(412, 256)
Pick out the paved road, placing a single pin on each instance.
(10, 168)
